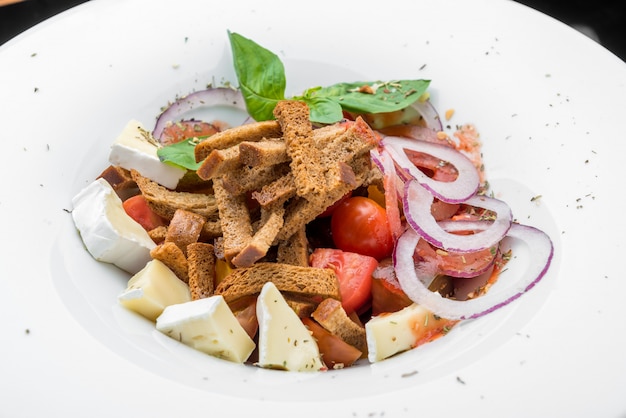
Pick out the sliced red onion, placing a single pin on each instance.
(417, 203)
(429, 113)
(213, 96)
(501, 293)
(391, 183)
(383, 160)
(462, 188)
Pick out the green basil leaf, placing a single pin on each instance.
(261, 76)
(180, 154)
(373, 97)
(323, 109)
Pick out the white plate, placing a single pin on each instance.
(547, 101)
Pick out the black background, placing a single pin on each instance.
(606, 18)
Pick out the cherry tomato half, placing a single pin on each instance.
(359, 225)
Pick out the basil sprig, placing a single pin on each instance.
(262, 81)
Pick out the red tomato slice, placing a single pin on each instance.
(248, 320)
(432, 166)
(360, 225)
(335, 351)
(354, 272)
(180, 131)
(387, 295)
(137, 208)
(456, 264)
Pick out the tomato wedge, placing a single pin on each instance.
(354, 272)
(387, 295)
(137, 208)
(336, 353)
(180, 131)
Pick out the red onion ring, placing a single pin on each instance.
(429, 113)
(213, 96)
(417, 203)
(462, 188)
(501, 293)
(385, 163)
(391, 182)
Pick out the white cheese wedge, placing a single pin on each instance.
(393, 333)
(284, 342)
(153, 289)
(208, 325)
(135, 148)
(107, 231)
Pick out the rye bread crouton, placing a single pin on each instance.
(300, 211)
(201, 268)
(301, 283)
(270, 223)
(233, 136)
(119, 178)
(276, 192)
(165, 202)
(158, 234)
(248, 179)
(235, 219)
(331, 315)
(173, 257)
(295, 249)
(219, 162)
(266, 152)
(185, 228)
(293, 117)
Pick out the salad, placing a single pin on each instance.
(335, 227)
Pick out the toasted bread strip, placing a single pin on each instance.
(201, 262)
(270, 224)
(225, 139)
(294, 250)
(119, 178)
(219, 162)
(165, 202)
(331, 315)
(252, 178)
(358, 138)
(185, 228)
(263, 153)
(307, 283)
(300, 212)
(293, 117)
(158, 234)
(276, 192)
(173, 257)
(302, 308)
(211, 230)
(235, 219)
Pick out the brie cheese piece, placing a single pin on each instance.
(135, 148)
(393, 333)
(284, 341)
(208, 325)
(107, 231)
(153, 289)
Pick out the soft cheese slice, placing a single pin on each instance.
(136, 148)
(153, 289)
(284, 341)
(107, 231)
(393, 333)
(208, 325)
